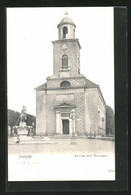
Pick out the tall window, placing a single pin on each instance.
(64, 61)
(65, 31)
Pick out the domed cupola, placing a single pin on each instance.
(66, 50)
(66, 28)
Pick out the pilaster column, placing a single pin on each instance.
(73, 121)
(70, 126)
(58, 121)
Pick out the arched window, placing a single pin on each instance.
(65, 84)
(64, 61)
(65, 31)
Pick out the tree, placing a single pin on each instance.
(14, 119)
(109, 121)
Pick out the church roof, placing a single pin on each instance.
(90, 84)
(41, 87)
(66, 20)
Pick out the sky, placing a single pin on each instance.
(30, 50)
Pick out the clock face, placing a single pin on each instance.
(64, 47)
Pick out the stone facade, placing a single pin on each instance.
(68, 102)
(72, 50)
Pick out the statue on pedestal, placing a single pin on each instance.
(23, 117)
(23, 132)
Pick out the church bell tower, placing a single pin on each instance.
(66, 50)
(68, 103)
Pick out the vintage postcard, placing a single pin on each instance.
(61, 94)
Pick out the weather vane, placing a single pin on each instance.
(66, 13)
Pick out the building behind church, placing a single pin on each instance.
(68, 102)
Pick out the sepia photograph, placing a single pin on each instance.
(60, 94)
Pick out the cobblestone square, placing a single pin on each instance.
(68, 146)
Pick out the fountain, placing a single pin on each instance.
(22, 132)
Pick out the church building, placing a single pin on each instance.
(69, 103)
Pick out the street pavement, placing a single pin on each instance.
(68, 146)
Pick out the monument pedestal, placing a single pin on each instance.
(22, 124)
(22, 131)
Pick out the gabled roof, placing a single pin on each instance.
(90, 84)
(41, 87)
(65, 105)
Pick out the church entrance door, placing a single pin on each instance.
(65, 124)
